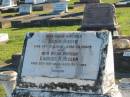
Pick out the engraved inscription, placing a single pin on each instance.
(64, 55)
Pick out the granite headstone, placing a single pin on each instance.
(99, 16)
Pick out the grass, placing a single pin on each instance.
(17, 35)
(2, 92)
(123, 18)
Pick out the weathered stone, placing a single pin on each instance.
(90, 1)
(60, 7)
(8, 80)
(25, 9)
(67, 61)
(121, 43)
(99, 16)
(35, 1)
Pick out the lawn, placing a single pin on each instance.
(17, 35)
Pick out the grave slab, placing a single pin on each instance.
(67, 64)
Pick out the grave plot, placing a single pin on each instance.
(67, 64)
(9, 22)
(43, 7)
(8, 80)
(39, 5)
(22, 21)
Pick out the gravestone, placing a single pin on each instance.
(67, 64)
(90, 1)
(9, 3)
(53, 1)
(25, 9)
(59, 7)
(99, 16)
(35, 1)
